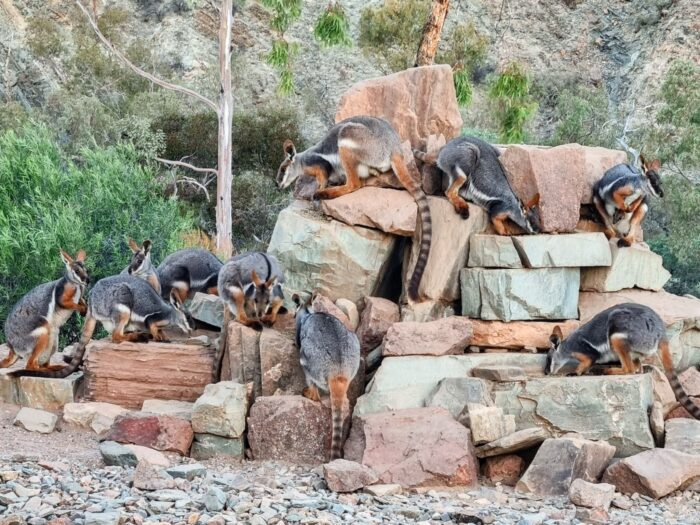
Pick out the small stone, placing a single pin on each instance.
(102, 518)
(149, 455)
(381, 490)
(377, 316)
(115, 454)
(35, 420)
(347, 476)
(622, 502)
(597, 516)
(591, 495)
(350, 310)
(215, 499)
(149, 477)
(188, 471)
(169, 407)
(486, 423)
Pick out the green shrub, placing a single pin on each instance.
(49, 201)
(581, 115)
(332, 27)
(464, 47)
(512, 101)
(44, 36)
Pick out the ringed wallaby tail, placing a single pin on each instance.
(67, 370)
(426, 225)
(680, 393)
(338, 387)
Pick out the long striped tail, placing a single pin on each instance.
(426, 235)
(338, 387)
(67, 370)
(679, 392)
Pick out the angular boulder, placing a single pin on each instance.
(606, 408)
(486, 423)
(402, 447)
(443, 337)
(453, 393)
(560, 461)
(342, 475)
(563, 176)
(520, 440)
(504, 469)
(632, 267)
(426, 311)
(351, 312)
(561, 251)
(221, 410)
(279, 364)
(149, 455)
(207, 308)
(683, 435)
(493, 251)
(525, 294)
(385, 209)
(654, 473)
(35, 420)
(116, 454)
(418, 102)
(690, 380)
(148, 430)
(93, 415)
(377, 316)
(593, 495)
(207, 446)
(241, 361)
(330, 257)
(517, 334)
(449, 249)
(323, 304)
(407, 382)
(290, 428)
(48, 393)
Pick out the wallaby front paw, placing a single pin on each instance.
(464, 213)
(624, 242)
(320, 195)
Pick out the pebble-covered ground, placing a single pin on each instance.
(44, 477)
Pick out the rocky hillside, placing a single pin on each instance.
(622, 45)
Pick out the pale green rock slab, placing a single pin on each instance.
(332, 258)
(47, 393)
(426, 311)
(408, 382)
(520, 294)
(8, 389)
(207, 308)
(633, 267)
(221, 410)
(565, 250)
(683, 435)
(206, 446)
(605, 408)
(453, 393)
(493, 251)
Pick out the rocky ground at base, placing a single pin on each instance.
(59, 478)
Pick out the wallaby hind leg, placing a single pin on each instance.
(640, 210)
(621, 347)
(607, 221)
(350, 161)
(461, 206)
(503, 224)
(44, 340)
(312, 393)
(619, 197)
(118, 334)
(156, 330)
(584, 363)
(10, 358)
(319, 174)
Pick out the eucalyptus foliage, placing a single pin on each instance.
(514, 106)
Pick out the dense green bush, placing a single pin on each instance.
(512, 102)
(49, 201)
(582, 115)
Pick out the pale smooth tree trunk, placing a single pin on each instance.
(431, 33)
(224, 220)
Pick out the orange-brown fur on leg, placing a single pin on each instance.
(621, 347)
(461, 206)
(311, 392)
(118, 334)
(609, 227)
(503, 225)
(42, 343)
(584, 363)
(338, 387)
(10, 358)
(319, 174)
(640, 210)
(350, 162)
(241, 316)
(619, 197)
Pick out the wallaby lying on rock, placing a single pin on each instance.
(330, 356)
(475, 174)
(358, 148)
(122, 303)
(33, 325)
(626, 333)
(141, 265)
(624, 190)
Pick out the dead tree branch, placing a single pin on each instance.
(187, 165)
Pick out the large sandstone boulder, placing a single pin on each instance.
(517, 334)
(418, 102)
(48, 393)
(279, 364)
(403, 447)
(609, 408)
(330, 257)
(289, 428)
(654, 473)
(442, 337)
(221, 410)
(96, 416)
(563, 176)
(449, 249)
(377, 316)
(559, 462)
(681, 315)
(520, 294)
(520, 440)
(633, 267)
(561, 251)
(407, 382)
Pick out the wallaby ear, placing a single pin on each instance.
(643, 161)
(256, 280)
(535, 201)
(133, 246)
(296, 299)
(556, 336)
(289, 149)
(67, 259)
(271, 281)
(655, 165)
(146, 246)
(80, 256)
(249, 290)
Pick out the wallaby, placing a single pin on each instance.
(358, 148)
(624, 190)
(34, 323)
(141, 265)
(329, 353)
(121, 303)
(626, 333)
(475, 174)
(188, 271)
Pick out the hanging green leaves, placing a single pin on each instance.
(332, 27)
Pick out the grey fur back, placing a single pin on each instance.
(135, 293)
(200, 264)
(26, 315)
(238, 269)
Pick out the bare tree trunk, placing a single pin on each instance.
(431, 32)
(224, 221)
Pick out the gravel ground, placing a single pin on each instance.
(60, 475)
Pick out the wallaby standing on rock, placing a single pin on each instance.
(626, 333)
(120, 303)
(188, 271)
(625, 190)
(141, 265)
(34, 323)
(358, 148)
(475, 173)
(329, 353)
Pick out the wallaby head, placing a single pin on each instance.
(141, 259)
(651, 173)
(530, 214)
(259, 293)
(558, 360)
(179, 317)
(75, 268)
(291, 168)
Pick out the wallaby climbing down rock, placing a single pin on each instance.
(330, 357)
